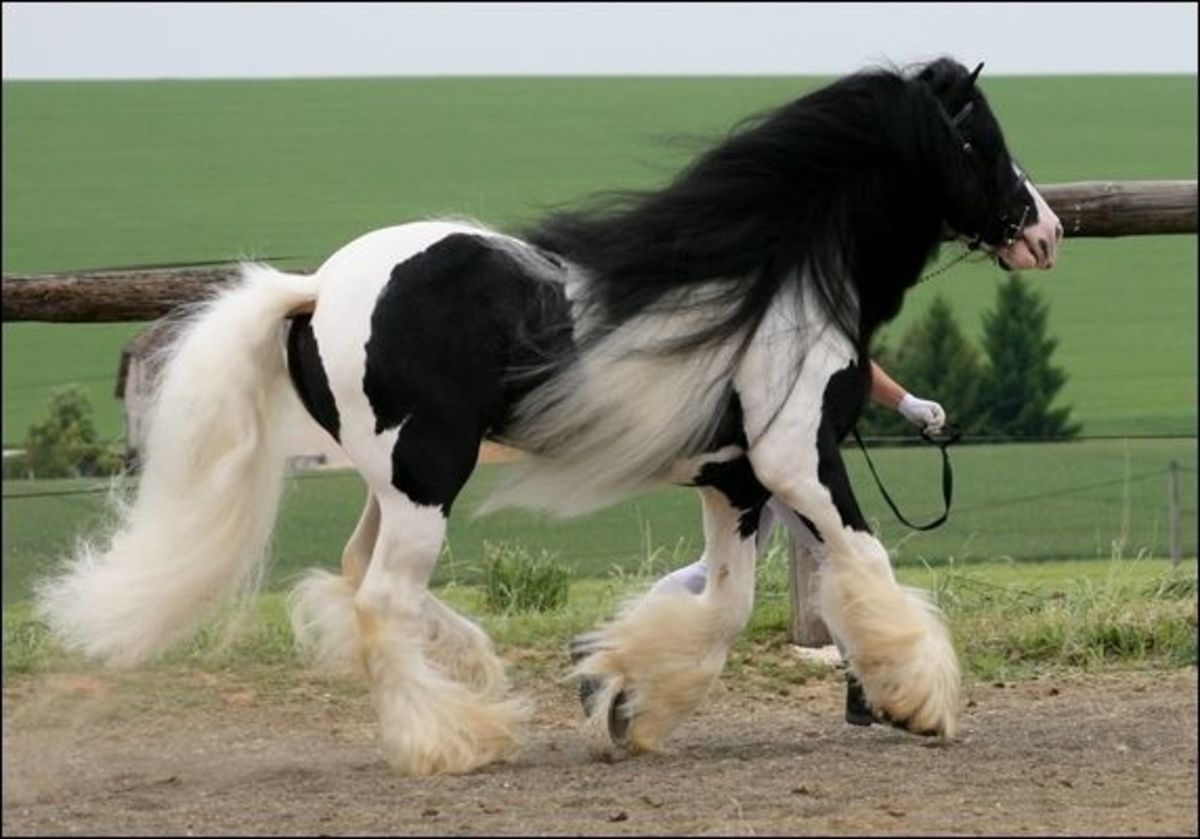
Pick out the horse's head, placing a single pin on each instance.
(989, 200)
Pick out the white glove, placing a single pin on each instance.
(926, 415)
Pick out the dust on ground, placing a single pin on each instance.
(194, 752)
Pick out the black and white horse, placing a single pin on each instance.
(713, 333)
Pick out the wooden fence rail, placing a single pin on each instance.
(1087, 209)
(1123, 208)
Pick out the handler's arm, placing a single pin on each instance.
(922, 413)
(884, 389)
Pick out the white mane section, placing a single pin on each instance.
(620, 416)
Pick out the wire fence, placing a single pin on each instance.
(1094, 498)
(317, 474)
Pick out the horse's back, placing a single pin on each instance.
(411, 347)
(358, 270)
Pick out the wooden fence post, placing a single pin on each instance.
(806, 628)
(1173, 513)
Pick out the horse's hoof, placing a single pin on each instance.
(618, 716)
(858, 712)
(907, 725)
(618, 711)
(588, 686)
(619, 719)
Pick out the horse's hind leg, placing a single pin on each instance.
(323, 622)
(321, 605)
(656, 662)
(429, 721)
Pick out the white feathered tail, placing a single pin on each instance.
(198, 529)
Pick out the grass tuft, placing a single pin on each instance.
(1115, 619)
(28, 647)
(516, 581)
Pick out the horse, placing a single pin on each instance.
(712, 333)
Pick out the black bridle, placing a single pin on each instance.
(1011, 228)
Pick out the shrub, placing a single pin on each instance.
(16, 466)
(64, 445)
(514, 581)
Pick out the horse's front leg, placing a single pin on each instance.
(776, 513)
(655, 662)
(893, 637)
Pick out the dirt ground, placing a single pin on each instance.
(203, 753)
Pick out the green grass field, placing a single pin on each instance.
(107, 174)
(1093, 499)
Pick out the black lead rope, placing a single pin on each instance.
(942, 442)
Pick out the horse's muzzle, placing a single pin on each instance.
(1037, 245)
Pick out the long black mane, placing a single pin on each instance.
(843, 191)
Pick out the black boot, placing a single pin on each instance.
(858, 712)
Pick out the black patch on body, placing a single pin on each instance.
(447, 331)
(735, 479)
(308, 375)
(845, 394)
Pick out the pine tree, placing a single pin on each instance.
(1019, 383)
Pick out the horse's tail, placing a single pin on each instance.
(198, 528)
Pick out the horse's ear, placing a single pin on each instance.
(962, 90)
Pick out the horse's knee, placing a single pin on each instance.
(783, 477)
(802, 493)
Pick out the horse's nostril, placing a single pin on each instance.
(1044, 246)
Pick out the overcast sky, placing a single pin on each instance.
(206, 40)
